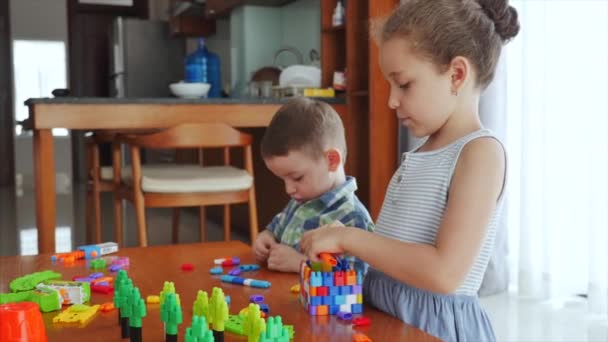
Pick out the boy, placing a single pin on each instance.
(304, 145)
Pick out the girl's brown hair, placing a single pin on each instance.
(444, 29)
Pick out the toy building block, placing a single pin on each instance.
(216, 270)
(275, 332)
(256, 298)
(201, 304)
(290, 331)
(29, 282)
(98, 264)
(295, 288)
(249, 267)
(46, 298)
(118, 263)
(361, 321)
(153, 299)
(78, 313)
(138, 312)
(69, 257)
(361, 338)
(72, 292)
(235, 271)
(106, 307)
(345, 316)
(187, 267)
(230, 261)
(235, 324)
(199, 331)
(171, 315)
(169, 287)
(105, 289)
(327, 293)
(254, 325)
(218, 313)
(265, 308)
(121, 301)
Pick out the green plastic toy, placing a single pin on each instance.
(47, 299)
(168, 287)
(254, 324)
(171, 314)
(235, 324)
(199, 331)
(98, 264)
(137, 308)
(275, 331)
(201, 304)
(29, 282)
(218, 309)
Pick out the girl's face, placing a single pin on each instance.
(419, 92)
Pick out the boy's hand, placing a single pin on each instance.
(284, 258)
(262, 245)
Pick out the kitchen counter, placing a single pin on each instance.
(169, 101)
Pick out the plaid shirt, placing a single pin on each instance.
(340, 204)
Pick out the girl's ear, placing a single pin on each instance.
(459, 70)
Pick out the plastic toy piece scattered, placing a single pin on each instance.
(256, 299)
(253, 325)
(245, 281)
(72, 292)
(171, 315)
(235, 271)
(275, 331)
(201, 304)
(29, 282)
(98, 264)
(118, 263)
(21, 322)
(249, 267)
(199, 331)
(345, 316)
(265, 308)
(138, 312)
(234, 324)
(216, 270)
(153, 299)
(187, 267)
(105, 289)
(295, 288)
(167, 288)
(80, 313)
(361, 338)
(106, 307)
(361, 321)
(218, 313)
(228, 300)
(97, 250)
(46, 298)
(233, 261)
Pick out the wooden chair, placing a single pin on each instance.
(186, 185)
(101, 179)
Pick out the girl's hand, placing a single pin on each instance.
(325, 239)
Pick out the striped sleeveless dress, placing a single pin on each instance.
(412, 212)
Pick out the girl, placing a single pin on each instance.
(435, 232)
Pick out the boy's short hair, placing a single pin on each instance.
(307, 125)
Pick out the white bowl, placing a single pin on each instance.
(190, 90)
(301, 75)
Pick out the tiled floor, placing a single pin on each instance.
(514, 319)
(18, 222)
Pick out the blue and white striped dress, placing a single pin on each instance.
(412, 212)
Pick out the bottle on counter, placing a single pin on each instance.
(338, 16)
(203, 66)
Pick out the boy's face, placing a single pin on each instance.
(305, 178)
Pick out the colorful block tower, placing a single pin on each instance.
(325, 292)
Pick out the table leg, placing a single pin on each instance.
(44, 175)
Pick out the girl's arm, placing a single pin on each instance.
(476, 185)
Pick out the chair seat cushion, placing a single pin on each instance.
(176, 178)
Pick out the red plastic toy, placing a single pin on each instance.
(21, 322)
(187, 267)
(361, 321)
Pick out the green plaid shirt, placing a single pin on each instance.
(340, 204)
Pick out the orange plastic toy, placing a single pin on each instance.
(21, 322)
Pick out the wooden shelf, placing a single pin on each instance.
(333, 29)
(359, 93)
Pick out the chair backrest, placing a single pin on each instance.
(192, 135)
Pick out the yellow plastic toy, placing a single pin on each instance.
(78, 313)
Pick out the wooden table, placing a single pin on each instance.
(105, 113)
(151, 266)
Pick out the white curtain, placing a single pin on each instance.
(552, 87)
